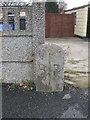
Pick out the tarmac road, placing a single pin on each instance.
(0, 102)
(27, 104)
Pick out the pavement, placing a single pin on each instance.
(76, 52)
(21, 103)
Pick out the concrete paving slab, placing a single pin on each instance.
(76, 52)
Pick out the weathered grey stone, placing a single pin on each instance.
(16, 72)
(38, 24)
(49, 62)
(18, 46)
(16, 49)
(67, 96)
(0, 58)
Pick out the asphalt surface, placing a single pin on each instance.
(0, 101)
(19, 103)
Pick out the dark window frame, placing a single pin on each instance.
(22, 21)
(11, 21)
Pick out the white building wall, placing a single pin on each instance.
(81, 21)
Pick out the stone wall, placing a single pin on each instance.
(16, 11)
(18, 46)
(25, 56)
(0, 51)
(16, 58)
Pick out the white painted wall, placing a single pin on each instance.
(81, 21)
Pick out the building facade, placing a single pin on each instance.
(82, 20)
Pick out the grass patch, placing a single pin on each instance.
(75, 72)
(30, 85)
(67, 77)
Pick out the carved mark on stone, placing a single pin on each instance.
(56, 72)
(43, 73)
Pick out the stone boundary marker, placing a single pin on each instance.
(49, 68)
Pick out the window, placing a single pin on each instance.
(11, 21)
(1, 22)
(22, 21)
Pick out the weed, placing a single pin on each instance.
(75, 72)
(28, 84)
(13, 86)
(31, 85)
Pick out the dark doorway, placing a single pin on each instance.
(88, 24)
(22, 23)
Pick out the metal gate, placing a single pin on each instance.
(59, 25)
